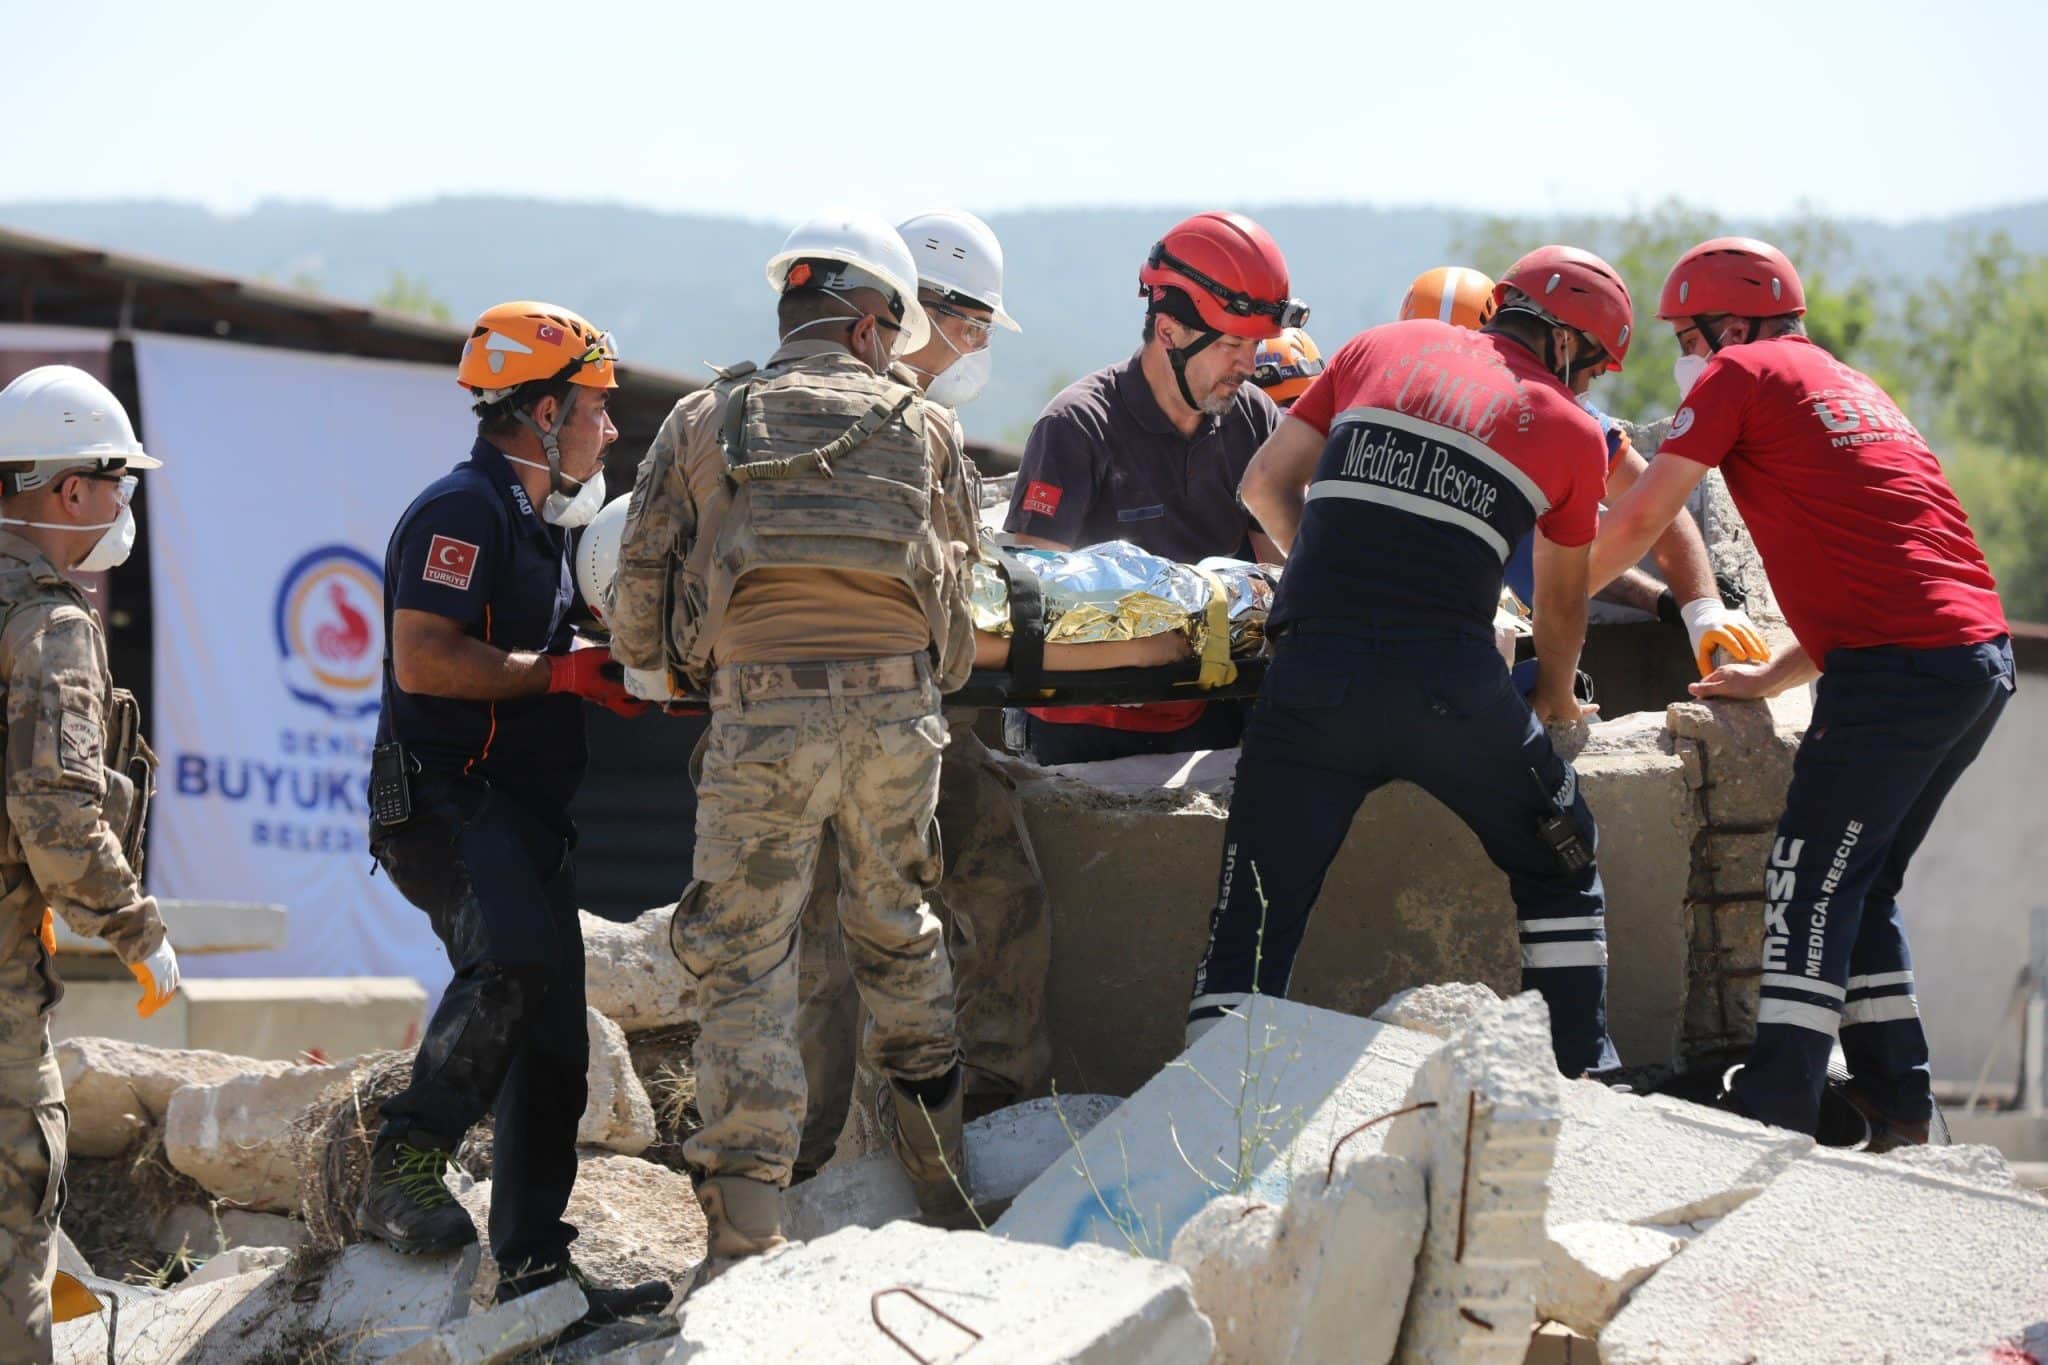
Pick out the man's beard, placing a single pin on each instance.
(1220, 397)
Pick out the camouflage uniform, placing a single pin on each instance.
(58, 849)
(796, 747)
(998, 923)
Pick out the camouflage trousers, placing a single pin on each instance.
(32, 1132)
(998, 921)
(792, 748)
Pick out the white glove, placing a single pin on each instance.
(157, 974)
(1712, 626)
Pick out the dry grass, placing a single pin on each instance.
(114, 1205)
(661, 1059)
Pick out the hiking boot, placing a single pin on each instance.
(607, 1304)
(926, 1139)
(742, 1218)
(406, 1204)
(1887, 1133)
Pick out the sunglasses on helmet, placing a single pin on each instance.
(1237, 303)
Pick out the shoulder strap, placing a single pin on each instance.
(1027, 623)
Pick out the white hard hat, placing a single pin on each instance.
(867, 243)
(957, 253)
(597, 553)
(58, 415)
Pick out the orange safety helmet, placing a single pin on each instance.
(1579, 290)
(526, 342)
(1450, 293)
(1286, 365)
(1736, 275)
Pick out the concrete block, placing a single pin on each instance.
(1973, 1164)
(204, 1232)
(1485, 1144)
(1006, 1151)
(1437, 1010)
(1324, 1279)
(377, 1302)
(1556, 1344)
(820, 1302)
(235, 1137)
(1845, 1261)
(1659, 1160)
(631, 976)
(1410, 899)
(1746, 749)
(1263, 1096)
(1590, 1268)
(240, 1261)
(118, 1091)
(198, 928)
(503, 1332)
(285, 1019)
(617, 1115)
(635, 1221)
(212, 1322)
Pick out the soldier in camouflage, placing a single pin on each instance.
(993, 900)
(67, 462)
(796, 545)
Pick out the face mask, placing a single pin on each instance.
(890, 344)
(116, 542)
(570, 510)
(1685, 372)
(962, 381)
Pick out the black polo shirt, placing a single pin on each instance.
(473, 548)
(1103, 463)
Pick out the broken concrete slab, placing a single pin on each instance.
(503, 1332)
(205, 1232)
(632, 1342)
(821, 1302)
(635, 1222)
(151, 1325)
(1973, 1163)
(1591, 1267)
(1846, 1260)
(117, 1091)
(617, 1115)
(1659, 1160)
(241, 1261)
(287, 1019)
(1324, 1279)
(1437, 1010)
(1263, 1096)
(631, 976)
(235, 1136)
(1485, 1113)
(1006, 1151)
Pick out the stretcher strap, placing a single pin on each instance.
(1217, 667)
(1027, 624)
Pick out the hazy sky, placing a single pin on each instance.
(1890, 110)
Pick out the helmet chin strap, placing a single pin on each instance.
(1179, 356)
(550, 441)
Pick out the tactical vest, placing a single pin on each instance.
(827, 466)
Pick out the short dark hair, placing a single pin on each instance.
(800, 306)
(502, 417)
(1175, 304)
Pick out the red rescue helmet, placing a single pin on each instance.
(1577, 289)
(1230, 269)
(1735, 275)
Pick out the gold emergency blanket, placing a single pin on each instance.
(1117, 591)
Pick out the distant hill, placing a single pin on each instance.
(680, 289)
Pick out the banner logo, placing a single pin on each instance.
(330, 631)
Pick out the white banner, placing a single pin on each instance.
(284, 473)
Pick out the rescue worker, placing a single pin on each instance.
(1896, 614)
(1397, 484)
(797, 548)
(993, 900)
(479, 750)
(68, 465)
(1151, 451)
(1464, 297)
(1286, 365)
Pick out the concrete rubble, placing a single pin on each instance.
(1590, 1267)
(1485, 1111)
(235, 1136)
(206, 1232)
(630, 975)
(1324, 1278)
(116, 1092)
(635, 1222)
(504, 1332)
(617, 1115)
(1006, 1151)
(1659, 1161)
(1845, 1259)
(1437, 1010)
(842, 1297)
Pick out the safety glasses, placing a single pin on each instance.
(125, 490)
(1237, 303)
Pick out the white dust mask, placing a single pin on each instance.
(1685, 372)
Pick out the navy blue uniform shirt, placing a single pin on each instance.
(473, 548)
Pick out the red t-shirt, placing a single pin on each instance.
(1859, 530)
(1444, 448)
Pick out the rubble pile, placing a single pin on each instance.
(1303, 1185)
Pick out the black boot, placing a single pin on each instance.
(607, 1305)
(405, 1204)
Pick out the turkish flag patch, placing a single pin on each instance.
(450, 562)
(1042, 498)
